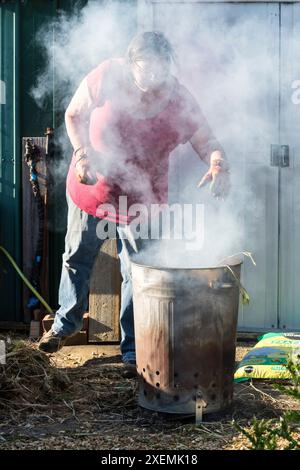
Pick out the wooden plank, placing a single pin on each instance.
(80, 338)
(48, 322)
(104, 297)
(30, 221)
(248, 336)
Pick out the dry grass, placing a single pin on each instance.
(62, 402)
(30, 379)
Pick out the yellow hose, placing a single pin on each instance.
(23, 277)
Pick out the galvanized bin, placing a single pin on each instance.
(185, 330)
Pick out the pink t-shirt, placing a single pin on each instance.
(132, 154)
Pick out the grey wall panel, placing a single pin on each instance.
(228, 56)
(289, 261)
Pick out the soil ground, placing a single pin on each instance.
(99, 411)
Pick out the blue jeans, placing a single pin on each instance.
(81, 248)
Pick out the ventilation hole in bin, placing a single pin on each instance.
(144, 370)
(157, 372)
(157, 384)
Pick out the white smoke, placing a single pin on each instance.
(232, 80)
(75, 44)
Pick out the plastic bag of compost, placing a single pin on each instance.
(269, 357)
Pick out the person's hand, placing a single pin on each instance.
(82, 170)
(218, 176)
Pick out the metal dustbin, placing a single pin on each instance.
(185, 330)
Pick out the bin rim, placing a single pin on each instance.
(236, 262)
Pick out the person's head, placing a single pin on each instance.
(149, 56)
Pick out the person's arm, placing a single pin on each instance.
(205, 144)
(195, 129)
(76, 120)
(90, 94)
(209, 150)
(76, 116)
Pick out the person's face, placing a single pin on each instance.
(150, 73)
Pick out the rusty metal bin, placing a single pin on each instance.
(185, 330)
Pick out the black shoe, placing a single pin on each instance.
(129, 369)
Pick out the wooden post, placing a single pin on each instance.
(104, 298)
(30, 219)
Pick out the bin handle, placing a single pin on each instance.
(220, 285)
(245, 253)
(243, 292)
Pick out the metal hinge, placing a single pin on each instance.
(280, 155)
